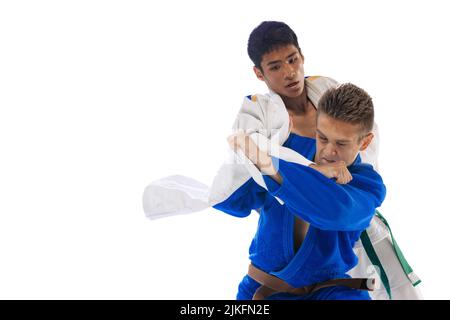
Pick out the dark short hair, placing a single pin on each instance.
(348, 103)
(269, 36)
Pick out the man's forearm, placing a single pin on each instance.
(261, 159)
(277, 177)
(265, 165)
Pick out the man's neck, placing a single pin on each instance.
(303, 115)
(298, 105)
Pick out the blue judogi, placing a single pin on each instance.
(337, 215)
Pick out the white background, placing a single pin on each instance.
(99, 98)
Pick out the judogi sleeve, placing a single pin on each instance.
(246, 198)
(324, 203)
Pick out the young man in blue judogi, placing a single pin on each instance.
(303, 248)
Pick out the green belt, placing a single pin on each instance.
(376, 261)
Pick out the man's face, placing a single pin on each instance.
(282, 71)
(338, 140)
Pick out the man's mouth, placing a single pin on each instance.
(325, 160)
(293, 84)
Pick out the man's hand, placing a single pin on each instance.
(262, 160)
(337, 170)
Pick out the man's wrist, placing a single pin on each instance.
(264, 162)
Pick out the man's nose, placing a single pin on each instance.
(330, 150)
(289, 72)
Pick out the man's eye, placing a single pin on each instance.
(323, 139)
(341, 144)
(293, 60)
(275, 68)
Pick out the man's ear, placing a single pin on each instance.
(366, 141)
(258, 73)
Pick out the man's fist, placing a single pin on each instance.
(336, 170)
(261, 159)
